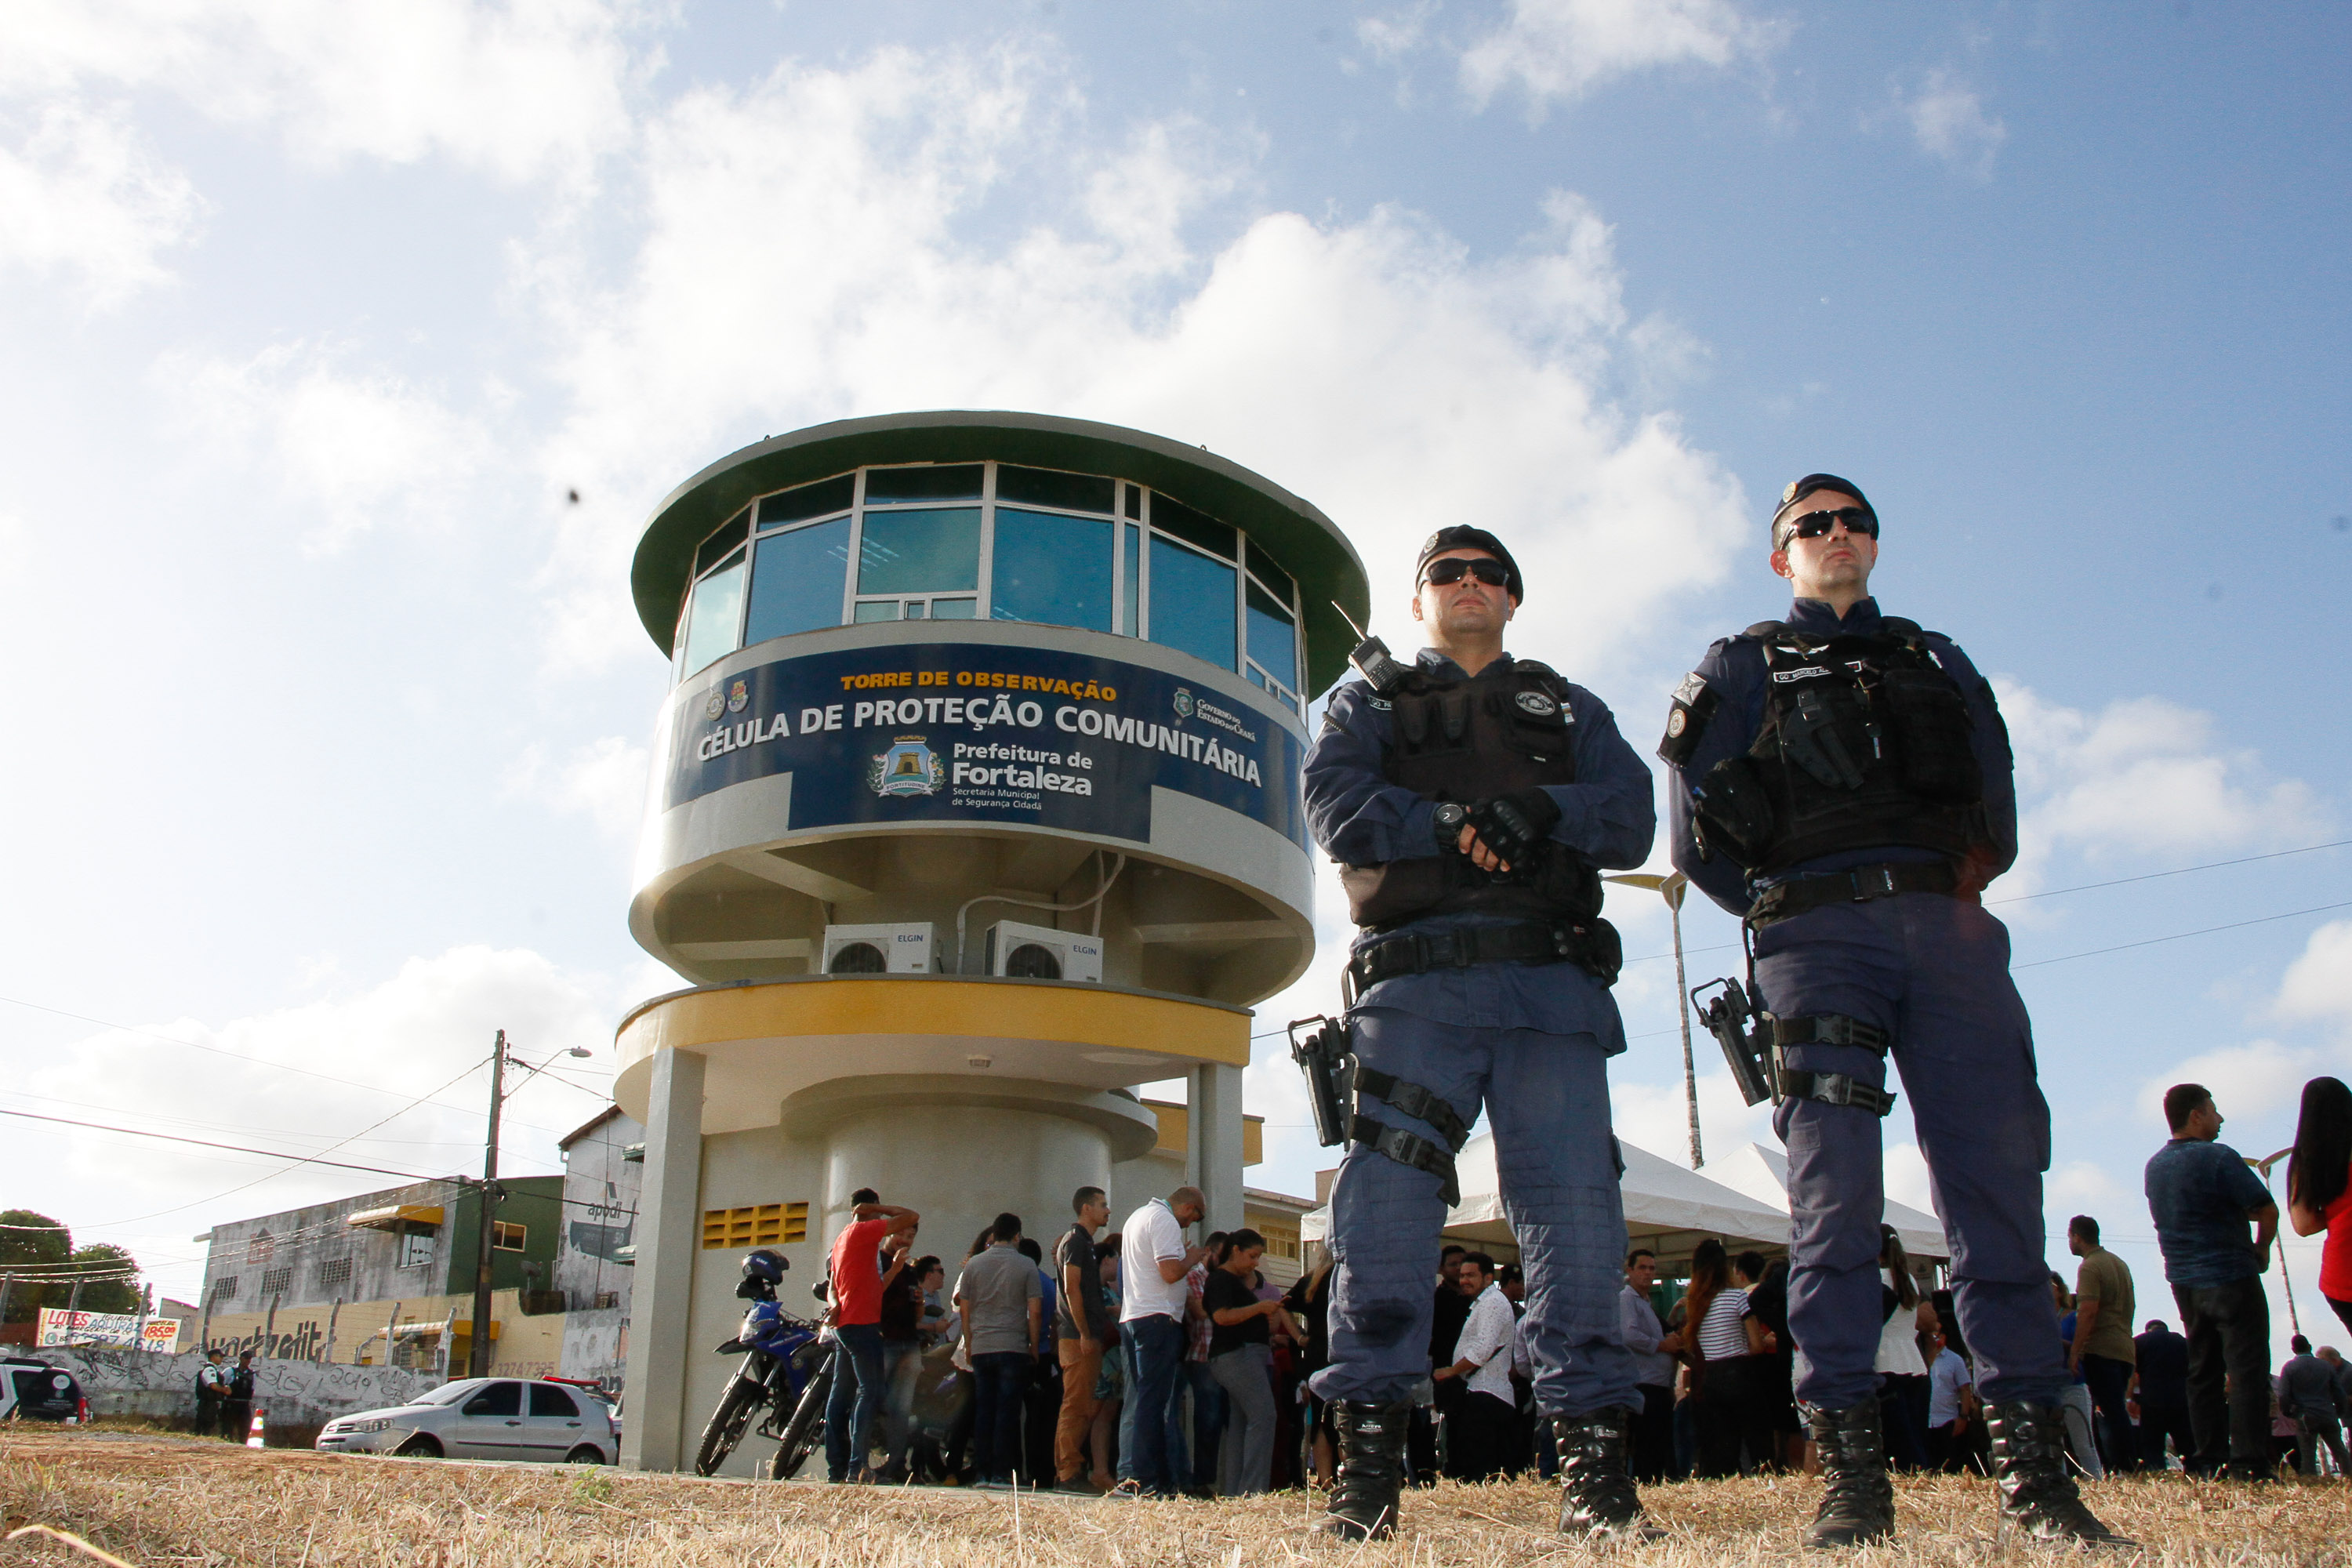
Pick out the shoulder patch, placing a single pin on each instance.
(1692, 705)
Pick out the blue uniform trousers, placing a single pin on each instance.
(1547, 1099)
(1933, 971)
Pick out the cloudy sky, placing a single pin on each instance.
(327, 708)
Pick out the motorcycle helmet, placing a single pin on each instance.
(761, 1271)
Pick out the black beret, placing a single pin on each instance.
(1461, 536)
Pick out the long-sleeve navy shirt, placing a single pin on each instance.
(1361, 818)
(1735, 669)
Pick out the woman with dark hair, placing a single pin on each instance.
(1727, 1347)
(2319, 1185)
(1240, 1358)
(1903, 1381)
(1310, 1301)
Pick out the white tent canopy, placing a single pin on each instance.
(1667, 1208)
(1763, 1173)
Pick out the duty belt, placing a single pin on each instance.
(1801, 895)
(1590, 945)
(1407, 1148)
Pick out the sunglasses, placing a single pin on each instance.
(1454, 568)
(1815, 524)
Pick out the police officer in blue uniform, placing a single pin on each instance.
(1469, 799)
(1843, 781)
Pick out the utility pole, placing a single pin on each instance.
(478, 1361)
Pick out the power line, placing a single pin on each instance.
(233, 1148)
(2182, 871)
(2176, 936)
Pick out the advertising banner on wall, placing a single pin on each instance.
(978, 732)
(58, 1327)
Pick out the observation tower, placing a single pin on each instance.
(974, 805)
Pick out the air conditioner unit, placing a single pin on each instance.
(878, 950)
(1038, 953)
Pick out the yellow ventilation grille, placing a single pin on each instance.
(761, 1224)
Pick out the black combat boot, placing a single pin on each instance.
(1371, 1470)
(1597, 1497)
(1859, 1506)
(2029, 1462)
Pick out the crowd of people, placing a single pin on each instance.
(1131, 1362)
(1127, 1363)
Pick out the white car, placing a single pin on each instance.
(486, 1419)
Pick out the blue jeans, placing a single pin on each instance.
(856, 1374)
(902, 1363)
(1209, 1405)
(998, 1379)
(1158, 1341)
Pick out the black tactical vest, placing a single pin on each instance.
(1866, 743)
(1505, 729)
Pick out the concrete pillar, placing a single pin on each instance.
(669, 1236)
(1212, 1156)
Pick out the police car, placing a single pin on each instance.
(35, 1391)
(544, 1419)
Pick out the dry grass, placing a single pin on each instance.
(158, 1501)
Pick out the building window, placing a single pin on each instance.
(333, 1272)
(1039, 545)
(761, 1224)
(1280, 1245)
(224, 1288)
(607, 1300)
(508, 1237)
(1191, 603)
(415, 1251)
(1051, 569)
(274, 1282)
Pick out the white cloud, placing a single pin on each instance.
(2259, 1078)
(83, 194)
(517, 90)
(355, 449)
(1950, 123)
(2141, 775)
(806, 256)
(2318, 984)
(1563, 48)
(603, 780)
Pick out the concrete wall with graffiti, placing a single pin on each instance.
(290, 1393)
(592, 1267)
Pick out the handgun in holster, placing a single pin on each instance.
(1744, 1030)
(1331, 1070)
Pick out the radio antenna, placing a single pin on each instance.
(1361, 634)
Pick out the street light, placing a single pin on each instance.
(1672, 888)
(477, 1356)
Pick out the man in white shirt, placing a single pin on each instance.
(1653, 1351)
(1480, 1424)
(1951, 1401)
(1153, 1261)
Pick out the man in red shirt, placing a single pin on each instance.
(856, 1276)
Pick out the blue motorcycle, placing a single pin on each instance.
(787, 1372)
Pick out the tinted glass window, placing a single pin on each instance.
(720, 542)
(1174, 516)
(807, 501)
(886, 610)
(1192, 604)
(1134, 501)
(499, 1399)
(954, 609)
(1130, 573)
(958, 481)
(1273, 576)
(1048, 486)
(920, 552)
(796, 580)
(548, 1401)
(1271, 643)
(1050, 568)
(718, 611)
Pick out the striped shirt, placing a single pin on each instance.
(1722, 1335)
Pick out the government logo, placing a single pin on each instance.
(908, 767)
(714, 705)
(1183, 702)
(1536, 703)
(738, 695)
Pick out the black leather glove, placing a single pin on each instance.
(1513, 825)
